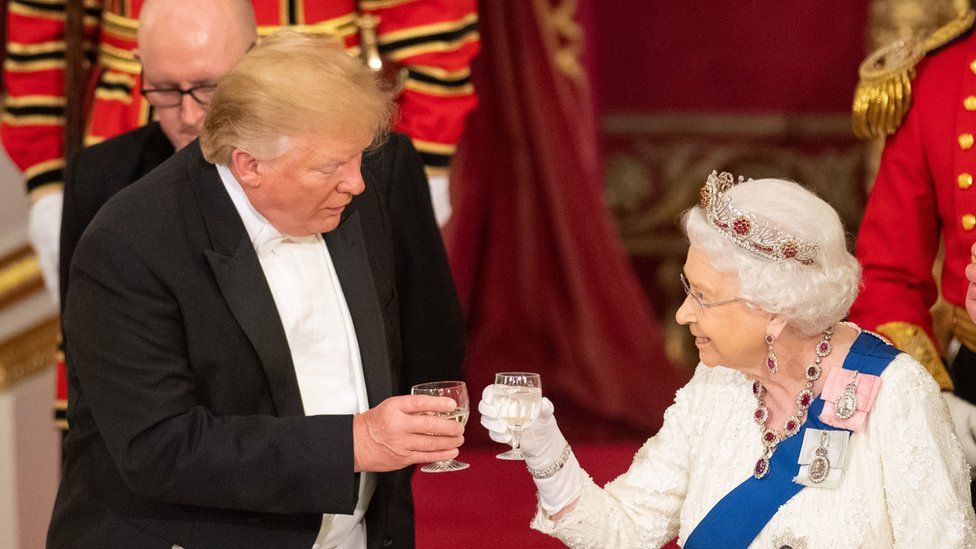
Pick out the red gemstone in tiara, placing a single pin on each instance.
(789, 250)
(747, 230)
(741, 226)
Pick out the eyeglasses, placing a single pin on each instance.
(166, 98)
(698, 300)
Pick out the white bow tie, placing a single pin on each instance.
(270, 238)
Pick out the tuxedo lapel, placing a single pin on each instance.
(347, 247)
(242, 283)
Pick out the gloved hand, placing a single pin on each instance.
(544, 443)
(44, 232)
(964, 419)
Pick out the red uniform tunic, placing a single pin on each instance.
(432, 41)
(924, 191)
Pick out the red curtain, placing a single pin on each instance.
(544, 281)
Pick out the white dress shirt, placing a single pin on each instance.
(321, 337)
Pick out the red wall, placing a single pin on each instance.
(739, 56)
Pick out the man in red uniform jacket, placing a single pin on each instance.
(923, 193)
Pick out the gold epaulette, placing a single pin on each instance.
(884, 94)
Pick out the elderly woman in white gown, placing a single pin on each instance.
(797, 430)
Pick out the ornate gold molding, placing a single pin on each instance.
(656, 163)
(20, 275)
(28, 353)
(31, 351)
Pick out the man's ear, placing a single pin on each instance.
(245, 168)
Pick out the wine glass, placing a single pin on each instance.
(459, 392)
(517, 396)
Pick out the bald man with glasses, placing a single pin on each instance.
(185, 47)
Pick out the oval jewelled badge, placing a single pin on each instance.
(846, 404)
(820, 466)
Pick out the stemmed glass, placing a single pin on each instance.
(459, 392)
(517, 396)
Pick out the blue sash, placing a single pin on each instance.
(739, 517)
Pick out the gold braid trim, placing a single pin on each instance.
(913, 340)
(884, 93)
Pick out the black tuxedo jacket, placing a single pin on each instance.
(187, 425)
(96, 174)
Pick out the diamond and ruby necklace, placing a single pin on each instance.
(770, 437)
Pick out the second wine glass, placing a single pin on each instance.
(517, 397)
(459, 392)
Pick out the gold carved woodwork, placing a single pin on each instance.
(28, 353)
(20, 275)
(33, 350)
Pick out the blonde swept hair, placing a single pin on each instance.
(294, 84)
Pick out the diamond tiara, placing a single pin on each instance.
(747, 230)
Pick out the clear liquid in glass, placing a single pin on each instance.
(459, 392)
(517, 406)
(517, 397)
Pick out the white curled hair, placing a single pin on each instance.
(809, 297)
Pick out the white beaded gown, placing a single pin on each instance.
(906, 483)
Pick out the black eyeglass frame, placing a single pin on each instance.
(146, 91)
(188, 91)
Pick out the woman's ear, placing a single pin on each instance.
(775, 326)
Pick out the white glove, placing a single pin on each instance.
(543, 442)
(440, 197)
(964, 419)
(44, 232)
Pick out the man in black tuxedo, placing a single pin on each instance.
(238, 320)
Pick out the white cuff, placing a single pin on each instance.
(440, 198)
(562, 488)
(44, 232)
